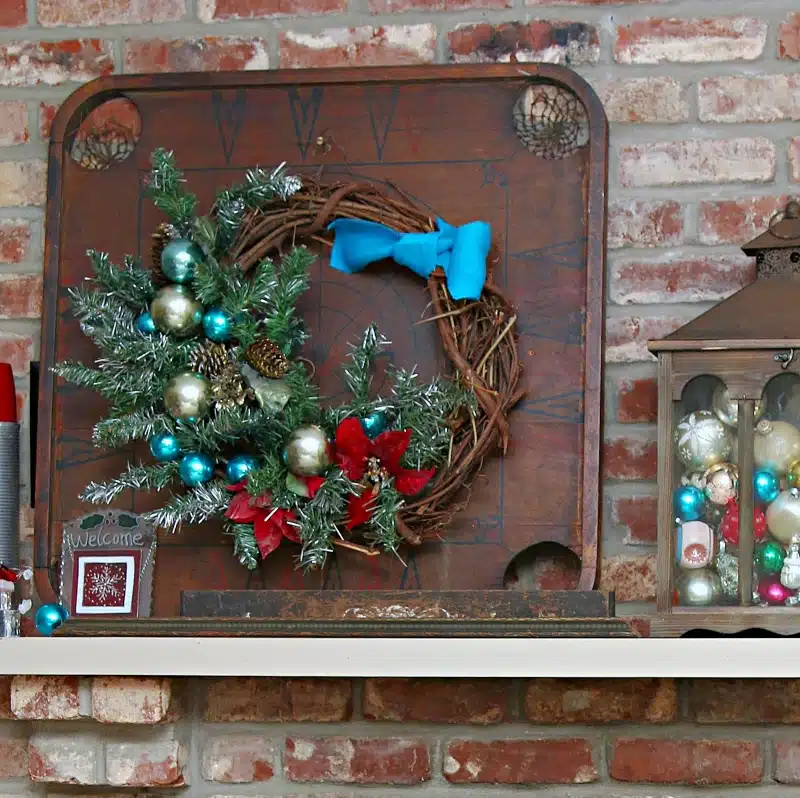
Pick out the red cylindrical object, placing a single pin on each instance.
(8, 394)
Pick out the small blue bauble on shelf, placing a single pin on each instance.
(145, 324)
(766, 486)
(165, 447)
(196, 468)
(49, 617)
(688, 502)
(374, 424)
(239, 466)
(179, 260)
(217, 325)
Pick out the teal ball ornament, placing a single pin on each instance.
(145, 324)
(239, 466)
(50, 617)
(766, 486)
(374, 424)
(179, 260)
(195, 469)
(165, 447)
(689, 503)
(176, 312)
(218, 325)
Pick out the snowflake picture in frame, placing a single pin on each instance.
(107, 565)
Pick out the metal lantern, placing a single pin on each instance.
(729, 453)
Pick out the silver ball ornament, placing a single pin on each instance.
(699, 588)
(727, 409)
(702, 440)
(783, 515)
(176, 311)
(307, 452)
(187, 396)
(776, 445)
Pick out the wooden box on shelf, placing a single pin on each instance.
(729, 455)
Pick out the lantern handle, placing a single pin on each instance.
(785, 358)
(791, 211)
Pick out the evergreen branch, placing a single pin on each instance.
(358, 372)
(282, 324)
(130, 284)
(227, 426)
(210, 281)
(382, 528)
(193, 507)
(204, 233)
(141, 477)
(270, 478)
(97, 310)
(244, 544)
(112, 433)
(165, 188)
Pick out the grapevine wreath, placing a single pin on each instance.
(200, 359)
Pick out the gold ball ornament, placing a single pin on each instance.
(776, 445)
(699, 588)
(721, 483)
(727, 409)
(783, 515)
(307, 452)
(187, 396)
(702, 440)
(176, 312)
(793, 474)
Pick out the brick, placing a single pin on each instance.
(62, 760)
(789, 37)
(13, 759)
(389, 45)
(549, 701)
(626, 338)
(697, 161)
(262, 700)
(701, 762)
(787, 761)
(47, 113)
(15, 238)
(22, 183)
(567, 761)
(633, 578)
(759, 98)
(641, 100)
(637, 400)
(644, 223)
(736, 221)
(85, 13)
(480, 701)
(25, 63)
(744, 700)
(155, 763)
(44, 697)
(215, 10)
(5, 698)
(349, 761)
(17, 350)
(20, 294)
(13, 123)
(402, 6)
(202, 54)
(237, 759)
(574, 43)
(794, 158)
(130, 700)
(672, 279)
(627, 458)
(636, 517)
(656, 41)
(13, 14)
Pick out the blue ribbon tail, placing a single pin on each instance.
(358, 243)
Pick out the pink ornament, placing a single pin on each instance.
(729, 526)
(772, 591)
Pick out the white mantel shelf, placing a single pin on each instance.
(162, 656)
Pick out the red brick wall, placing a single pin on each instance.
(703, 150)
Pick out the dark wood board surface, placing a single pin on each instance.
(445, 136)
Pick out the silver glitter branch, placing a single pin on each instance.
(198, 505)
(152, 477)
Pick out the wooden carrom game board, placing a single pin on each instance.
(447, 136)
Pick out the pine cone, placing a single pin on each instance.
(209, 359)
(267, 359)
(164, 232)
(229, 388)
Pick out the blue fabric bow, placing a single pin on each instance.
(460, 251)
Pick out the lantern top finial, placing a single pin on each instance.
(783, 232)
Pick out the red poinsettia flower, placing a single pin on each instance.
(270, 524)
(360, 457)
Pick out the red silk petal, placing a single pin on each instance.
(268, 534)
(353, 469)
(7, 574)
(288, 524)
(237, 487)
(314, 484)
(410, 482)
(239, 509)
(389, 448)
(264, 500)
(351, 440)
(360, 509)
